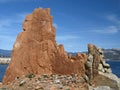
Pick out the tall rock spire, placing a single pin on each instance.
(36, 51)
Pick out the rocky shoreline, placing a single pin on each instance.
(5, 60)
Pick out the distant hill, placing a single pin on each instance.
(5, 53)
(110, 54)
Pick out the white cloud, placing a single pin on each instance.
(66, 37)
(9, 28)
(9, 22)
(112, 29)
(108, 30)
(5, 22)
(70, 46)
(114, 18)
(3, 37)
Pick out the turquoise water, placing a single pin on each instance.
(115, 65)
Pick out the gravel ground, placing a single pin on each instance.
(47, 82)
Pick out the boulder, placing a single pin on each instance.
(107, 79)
(100, 88)
(101, 68)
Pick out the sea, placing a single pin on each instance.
(114, 64)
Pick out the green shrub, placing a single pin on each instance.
(30, 75)
(3, 89)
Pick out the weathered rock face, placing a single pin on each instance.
(99, 72)
(96, 62)
(36, 51)
(92, 62)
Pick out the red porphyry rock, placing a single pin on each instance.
(36, 51)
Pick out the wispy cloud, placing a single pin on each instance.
(108, 30)
(66, 37)
(3, 37)
(9, 28)
(114, 18)
(6, 23)
(111, 29)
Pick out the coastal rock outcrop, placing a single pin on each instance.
(99, 72)
(36, 51)
(96, 62)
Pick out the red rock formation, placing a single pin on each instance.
(36, 51)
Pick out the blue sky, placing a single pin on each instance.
(78, 22)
